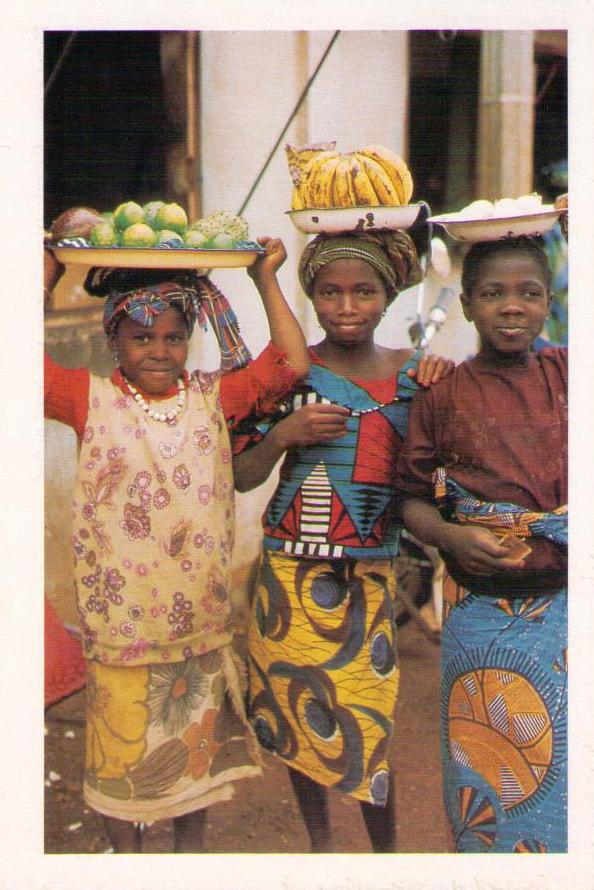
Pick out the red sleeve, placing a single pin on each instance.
(66, 395)
(257, 388)
(419, 457)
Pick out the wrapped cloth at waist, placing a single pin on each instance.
(500, 517)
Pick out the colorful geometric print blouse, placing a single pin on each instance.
(337, 499)
(153, 527)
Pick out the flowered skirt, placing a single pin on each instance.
(504, 721)
(323, 673)
(164, 740)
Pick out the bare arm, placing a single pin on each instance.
(477, 550)
(310, 425)
(285, 331)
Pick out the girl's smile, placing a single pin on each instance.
(349, 298)
(152, 358)
(508, 303)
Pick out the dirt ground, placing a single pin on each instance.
(263, 816)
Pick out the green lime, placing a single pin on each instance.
(103, 235)
(172, 216)
(139, 235)
(150, 212)
(169, 235)
(127, 214)
(222, 241)
(194, 238)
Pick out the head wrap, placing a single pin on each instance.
(143, 294)
(391, 253)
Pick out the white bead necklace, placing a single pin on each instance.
(163, 417)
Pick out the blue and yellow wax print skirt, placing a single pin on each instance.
(323, 673)
(504, 701)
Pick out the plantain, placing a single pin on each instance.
(319, 188)
(394, 166)
(364, 192)
(385, 190)
(342, 187)
(296, 199)
(310, 175)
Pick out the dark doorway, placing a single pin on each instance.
(106, 130)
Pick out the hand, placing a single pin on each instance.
(479, 551)
(270, 262)
(312, 425)
(431, 368)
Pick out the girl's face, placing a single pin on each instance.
(509, 302)
(349, 298)
(152, 358)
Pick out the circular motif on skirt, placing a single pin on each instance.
(326, 592)
(382, 653)
(264, 733)
(379, 787)
(500, 727)
(320, 718)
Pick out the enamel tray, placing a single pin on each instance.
(156, 258)
(496, 227)
(358, 219)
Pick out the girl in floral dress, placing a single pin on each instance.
(153, 540)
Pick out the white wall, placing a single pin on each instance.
(250, 83)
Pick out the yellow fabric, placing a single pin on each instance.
(165, 740)
(322, 669)
(153, 527)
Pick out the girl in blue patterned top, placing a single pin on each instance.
(322, 649)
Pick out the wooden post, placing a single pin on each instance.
(506, 115)
(192, 125)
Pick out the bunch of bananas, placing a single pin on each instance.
(369, 177)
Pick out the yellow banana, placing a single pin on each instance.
(381, 182)
(296, 200)
(310, 174)
(341, 194)
(343, 190)
(319, 188)
(364, 191)
(394, 166)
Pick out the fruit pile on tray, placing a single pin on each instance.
(157, 235)
(484, 220)
(156, 224)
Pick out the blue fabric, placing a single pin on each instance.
(553, 526)
(504, 722)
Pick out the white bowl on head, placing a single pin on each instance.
(333, 220)
(495, 227)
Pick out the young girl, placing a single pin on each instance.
(322, 652)
(493, 439)
(153, 541)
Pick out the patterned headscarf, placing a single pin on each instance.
(391, 253)
(143, 294)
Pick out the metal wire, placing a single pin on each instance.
(289, 122)
(58, 66)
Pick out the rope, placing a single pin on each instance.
(59, 63)
(289, 122)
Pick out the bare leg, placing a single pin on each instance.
(313, 805)
(381, 822)
(124, 836)
(188, 832)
